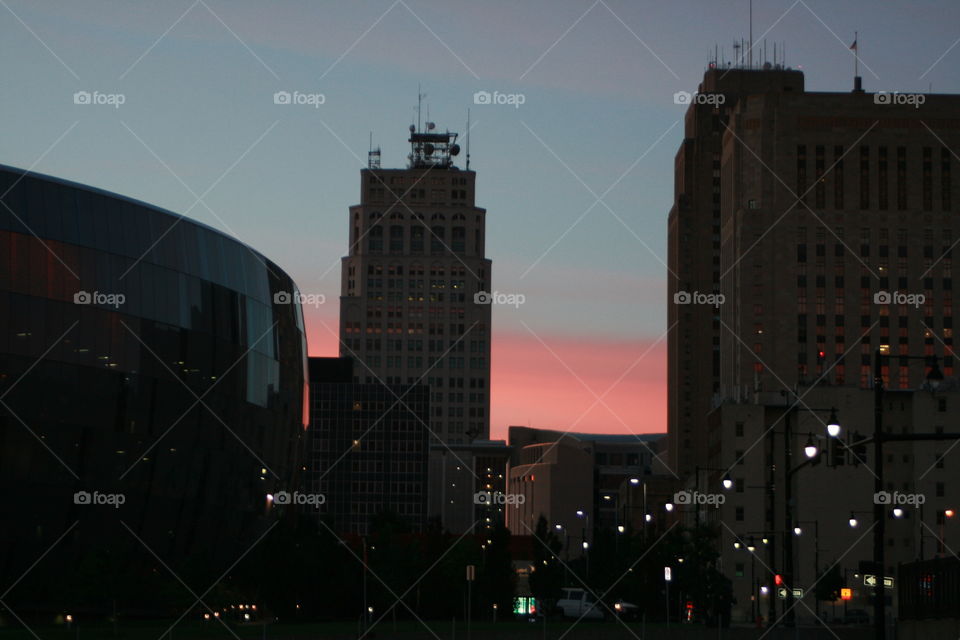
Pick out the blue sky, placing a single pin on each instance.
(597, 78)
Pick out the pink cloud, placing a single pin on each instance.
(531, 386)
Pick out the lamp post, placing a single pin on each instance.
(798, 531)
(585, 545)
(768, 539)
(727, 484)
(812, 452)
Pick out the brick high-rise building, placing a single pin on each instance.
(805, 211)
(416, 263)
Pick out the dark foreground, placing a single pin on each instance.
(432, 630)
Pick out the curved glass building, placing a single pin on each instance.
(152, 384)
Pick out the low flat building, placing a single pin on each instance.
(574, 480)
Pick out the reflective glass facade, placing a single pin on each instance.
(141, 354)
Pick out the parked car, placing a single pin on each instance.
(579, 603)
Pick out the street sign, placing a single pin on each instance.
(871, 581)
(471, 572)
(798, 593)
(782, 593)
(667, 574)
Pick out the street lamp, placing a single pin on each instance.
(897, 512)
(811, 449)
(727, 482)
(812, 453)
(853, 522)
(833, 425)
(586, 525)
(668, 506)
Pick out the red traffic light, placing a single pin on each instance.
(778, 579)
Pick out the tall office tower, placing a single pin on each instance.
(694, 232)
(409, 310)
(826, 222)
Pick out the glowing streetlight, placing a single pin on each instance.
(668, 506)
(852, 521)
(727, 482)
(833, 426)
(811, 449)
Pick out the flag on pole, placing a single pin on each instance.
(853, 47)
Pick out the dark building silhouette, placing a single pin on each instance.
(368, 446)
(152, 387)
(827, 221)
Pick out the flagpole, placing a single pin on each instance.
(856, 54)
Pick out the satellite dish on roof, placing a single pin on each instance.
(428, 149)
(412, 128)
(454, 149)
(431, 126)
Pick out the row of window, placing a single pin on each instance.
(392, 269)
(399, 242)
(890, 172)
(418, 362)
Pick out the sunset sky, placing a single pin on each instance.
(577, 181)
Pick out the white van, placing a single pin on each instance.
(577, 603)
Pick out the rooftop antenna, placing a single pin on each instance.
(373, 155)
(468, 139)
(750, 50)
(419, 102)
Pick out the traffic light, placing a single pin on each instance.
(778, 579)
(858, 451)
(838, 452)
(821, 357)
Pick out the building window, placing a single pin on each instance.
(437, 242)
(396, 239)
(375, 239)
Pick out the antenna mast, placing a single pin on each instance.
(468, 138)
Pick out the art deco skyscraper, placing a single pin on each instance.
(409, 310)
